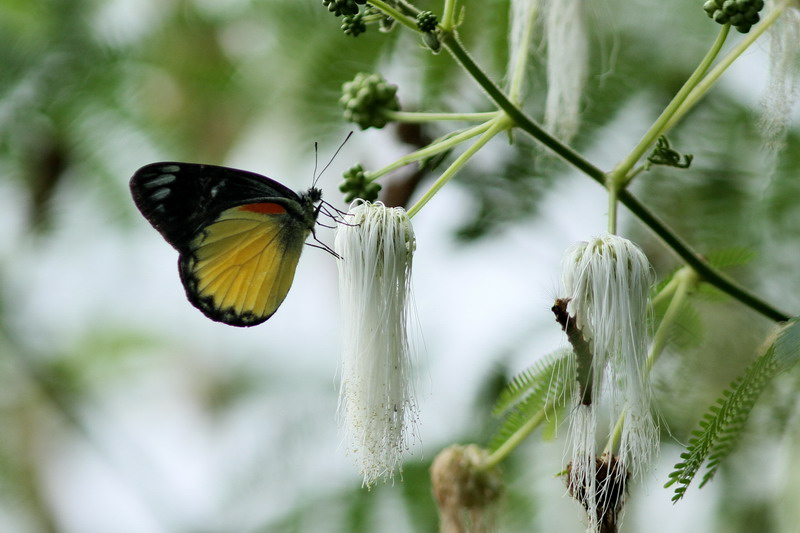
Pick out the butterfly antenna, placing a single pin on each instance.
(316, 160)
(317, 176)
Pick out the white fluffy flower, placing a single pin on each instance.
(783, 85)
(567, 65)
(376, 403)
(607, 285)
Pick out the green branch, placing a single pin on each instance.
(708, 273)
(499, 455)
(671, 239)
(395, 14)
(411, 116)
(496, 126)
(708, 81)
(621, 173)
(431, 150)
(453, 45)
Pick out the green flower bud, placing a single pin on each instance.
(387, 24)
(465, 491)
(426, 21)
(367, 98)
(354, 25)
(741, 14)
(710, 7)
(432, 42)
(356, 185)
(342, 7)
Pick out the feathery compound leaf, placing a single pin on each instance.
(723, 424)
(730, 257)
(787, 345)
(534, 377)
(686, 329)
(545, 385)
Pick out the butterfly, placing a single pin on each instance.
(239, 235)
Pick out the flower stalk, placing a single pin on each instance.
(498, 125)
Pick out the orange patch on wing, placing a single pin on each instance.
(266, 208)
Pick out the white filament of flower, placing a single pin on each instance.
(567, 65)
(376, 402)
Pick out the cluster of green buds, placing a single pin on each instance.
(355, 19)
(343, 7)
(427, 22)
(367, 98)
(354, 25)
(356, 185)
(741, 14)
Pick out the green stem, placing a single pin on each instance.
(708, 81)
(432, 149)
(706, 272)
(620, 175)
(496, 126)
(666, 292)
(613, 200)
(685, 279)
(616, 433)
(670, 239)
(395, 14)
(448, 15)
(451, 42)
(409, 116)
(500, 454)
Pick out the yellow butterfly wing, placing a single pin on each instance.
(239, 268)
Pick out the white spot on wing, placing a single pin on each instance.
(160, 194)
(161, 180)
(170, 168)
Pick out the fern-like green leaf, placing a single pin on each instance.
(686, 330)
(545, 384)
(529, 379)
(730, 257)
(722, 425)
(787, 345)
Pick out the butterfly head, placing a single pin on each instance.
(313, 195)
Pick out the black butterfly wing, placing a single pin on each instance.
(239, 234)
(178, 199)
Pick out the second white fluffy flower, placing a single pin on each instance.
(607, 283)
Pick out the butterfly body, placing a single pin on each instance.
(239, 234)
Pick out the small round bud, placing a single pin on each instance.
(356, 185)
(342, 7)
(426, 21)
(464, 490)
(354, 25)
(741, 14)
(710, 7)
(367, 98)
